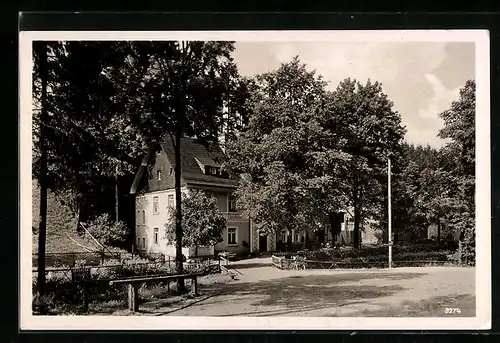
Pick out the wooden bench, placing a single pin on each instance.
(134, 282)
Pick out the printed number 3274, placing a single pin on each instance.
(452, 310)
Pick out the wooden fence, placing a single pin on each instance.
(282, 262)
(77, 272)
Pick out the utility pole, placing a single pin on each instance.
(389, 218)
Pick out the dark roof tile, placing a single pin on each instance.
(190, 169)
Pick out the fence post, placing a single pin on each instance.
(85, 297)
(133, 298)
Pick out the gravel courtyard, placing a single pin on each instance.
(261, 290)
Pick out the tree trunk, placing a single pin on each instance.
(117, 218)
(438, 229)
(357, 221)
(357, 216)
(42, 225)
(331, 218)
(181, 287)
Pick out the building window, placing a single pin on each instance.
(212, 170)
(138, 243)
(144, 216)
(171, 171)
(231, 235)
(284, 235)
(171, 201)
(156, 205)
(231, 203)
(144, 243)
(295, 236)
(155, 235)
(158, 175)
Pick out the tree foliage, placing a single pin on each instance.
(84, 143)
(202, 221)
(308, 153)
(435, 187)
(107, 231)
(186, 89)
(282, 154)
(363, 118)
(459, 154)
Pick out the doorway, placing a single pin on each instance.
(262, 243)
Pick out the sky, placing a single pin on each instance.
(421, 78)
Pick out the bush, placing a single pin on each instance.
(424, 251)
(108, 232)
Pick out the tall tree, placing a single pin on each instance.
(40, 54)
(420, 196)
(82, 144)
(187, 89)
(74, 130)
(111, 101)
(363, 116)
(282, 153)
(459, 155)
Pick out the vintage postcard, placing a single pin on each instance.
(288, 180)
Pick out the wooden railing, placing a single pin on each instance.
(284, 263)
(281, 262)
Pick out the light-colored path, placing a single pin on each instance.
(261, 290)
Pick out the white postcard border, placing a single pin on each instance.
(483, 192)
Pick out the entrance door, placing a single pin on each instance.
(262, 243)
(321, 236)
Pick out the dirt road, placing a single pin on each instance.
(261, 290)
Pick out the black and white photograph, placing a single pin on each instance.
(287, 180)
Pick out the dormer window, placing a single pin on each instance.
(208, 165)
(158, 175)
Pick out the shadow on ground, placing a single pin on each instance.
(297, 293)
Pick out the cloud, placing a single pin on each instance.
(414, 75)
(439, 102)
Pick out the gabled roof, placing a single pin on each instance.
(191, 151)
(195, 157)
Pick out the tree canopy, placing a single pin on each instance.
(372, 132)
(281, 152)
(109, 103)
(202, 221)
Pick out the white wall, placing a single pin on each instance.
(153, 220)
(190, 252)
(242, 235)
